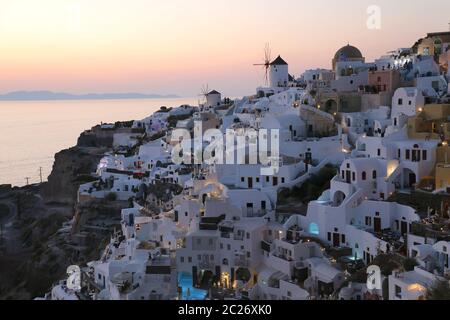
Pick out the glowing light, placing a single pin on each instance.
(314, 229)
(392, 166)
(416, 287)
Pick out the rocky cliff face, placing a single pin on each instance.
(38, 241)
(71, 168)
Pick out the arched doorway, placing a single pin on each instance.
(331, 106)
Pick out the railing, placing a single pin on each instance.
(240, 262)
(206, 265)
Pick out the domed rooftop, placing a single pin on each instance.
(348, 52)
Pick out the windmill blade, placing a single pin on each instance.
(267, 54)
(205, 90)
(266, 63)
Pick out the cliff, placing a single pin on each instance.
(38, 239)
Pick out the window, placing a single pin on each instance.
(190, 259)
(409, 102)
(400, 101)
(379, 152)
(399, 154)
(368, 221)
(228, 247)
(289, 294)
(424, 155)
(364, 176)
(374, 174)
(398, 292)
(248, 254)
(329, 236)
(267, 179)
(242, 179)
(282, 180)
(186, 214)
(408, 154)
(247, 235)
(257, 179)
(343, 174)
(353, 176)
(343, 238)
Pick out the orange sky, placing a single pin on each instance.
(176, 46)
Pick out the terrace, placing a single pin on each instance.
(434, 228)
(387, 235)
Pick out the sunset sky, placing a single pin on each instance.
(176, 46)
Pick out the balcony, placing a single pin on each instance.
(225, 235)
(241, 262)
(256, 213)
(226, 226)
(206, 265)
(265, 246)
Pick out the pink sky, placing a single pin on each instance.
(176, 46)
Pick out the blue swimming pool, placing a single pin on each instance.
(189, 292)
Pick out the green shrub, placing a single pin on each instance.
(112, 196)
(440, 290)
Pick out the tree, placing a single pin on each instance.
(440, 290)
(112, 196)
(409, 264)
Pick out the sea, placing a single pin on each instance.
(31, 132)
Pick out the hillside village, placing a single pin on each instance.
(363, 180)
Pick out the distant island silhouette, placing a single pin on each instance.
(49, 95)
